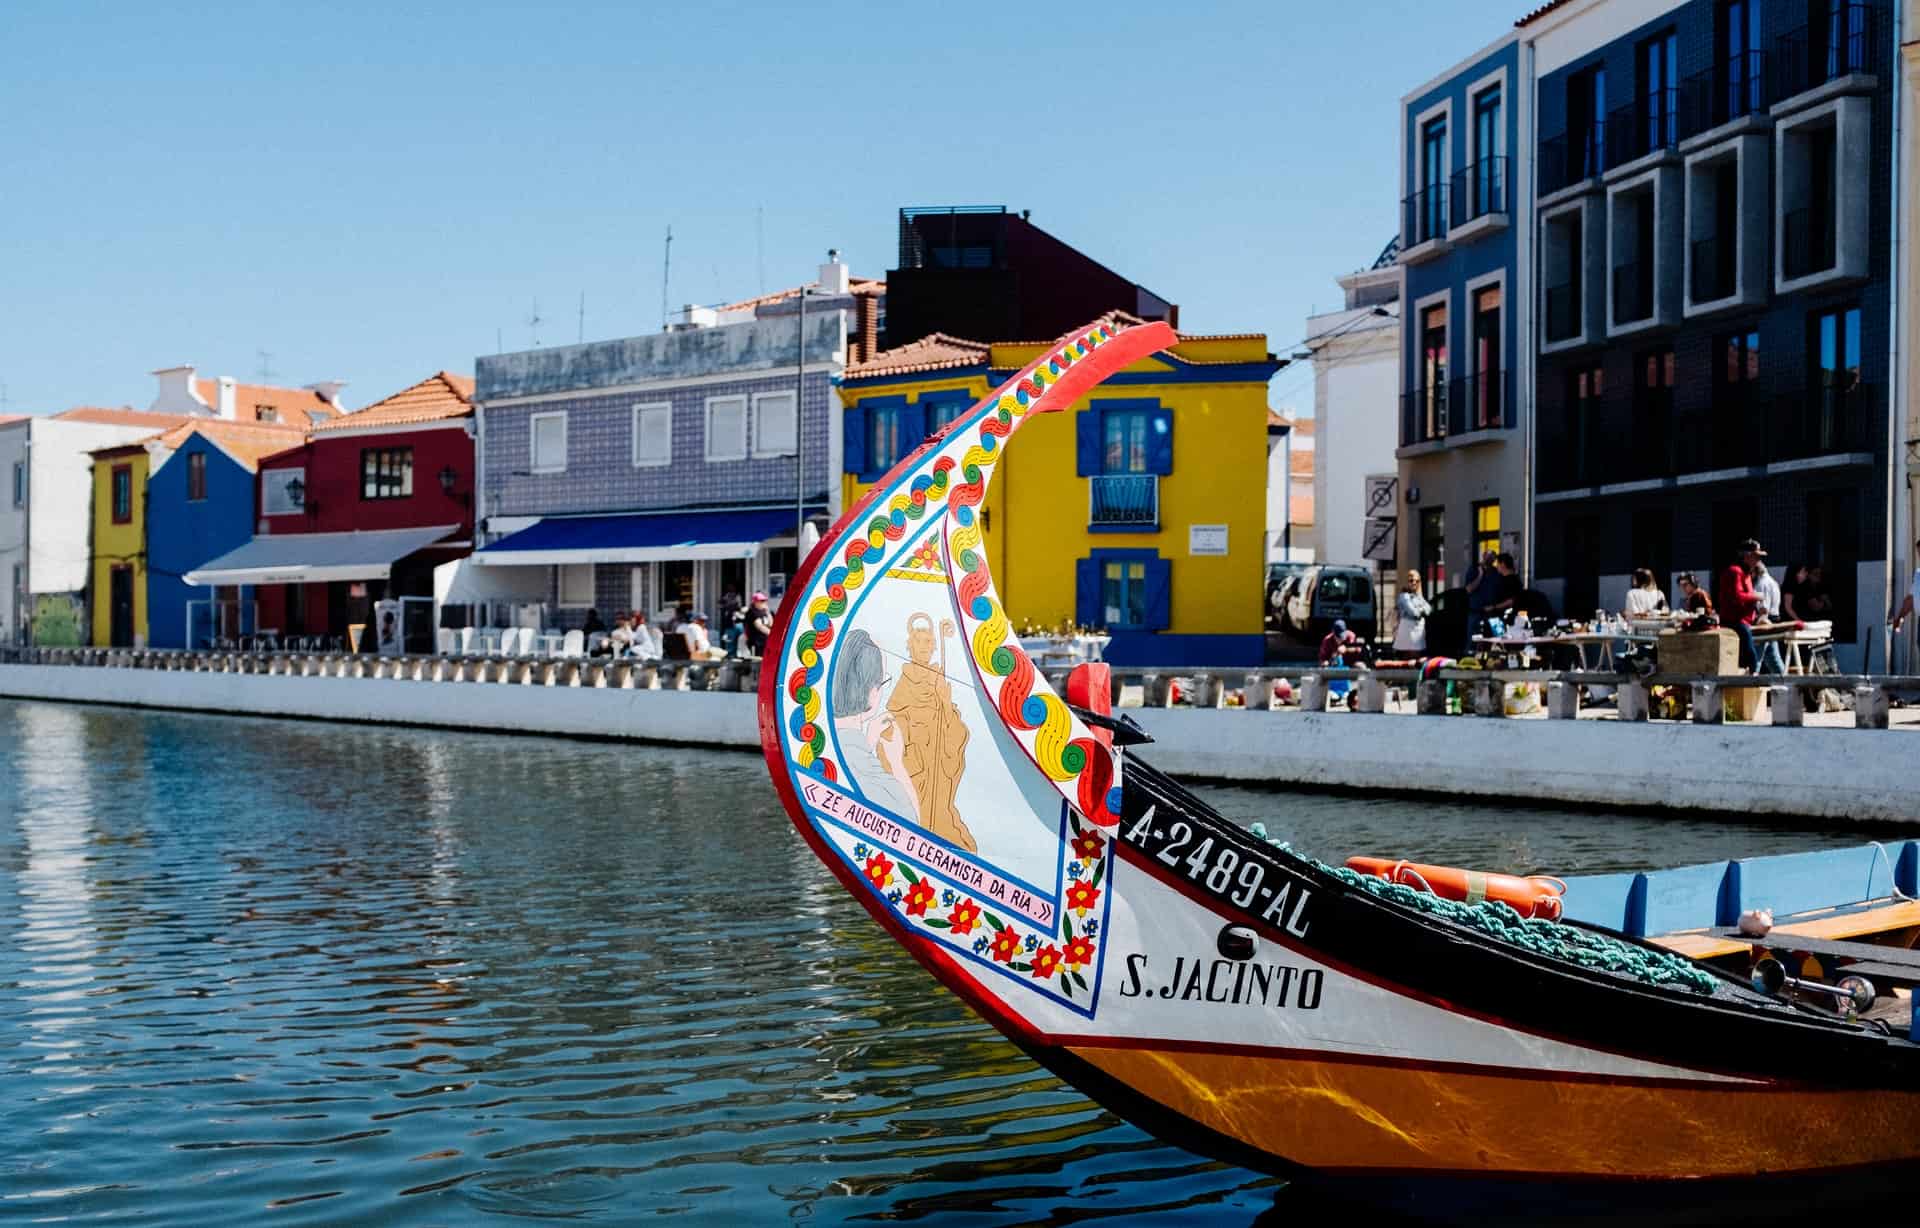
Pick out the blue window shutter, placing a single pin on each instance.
(1160, 442)
(913, 428)
(853, 451)
(1086, 594)
(1159, 594)
(1086, 449)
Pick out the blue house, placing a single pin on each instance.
(200, 505)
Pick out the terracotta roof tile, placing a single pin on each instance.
(439, 396)
(124, 416)
(246, 442)
(1542, 11)
(295, 406)
(1122, 319)
(934, 352)
(5, 419)
(855, 286)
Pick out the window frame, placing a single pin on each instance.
(642, 410)
(120, 480)
(760, 399)
(533, 441)
(1141, 417)
(22, 481)
(746, 404)
(377, 477)
(196, 477)
(560, 593)
(1132, 588)
(893, 415)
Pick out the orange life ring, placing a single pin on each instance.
(1535, 896)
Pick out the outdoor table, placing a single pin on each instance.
(1581, 641)
(1802, 643)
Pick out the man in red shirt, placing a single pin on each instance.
(1737, 601)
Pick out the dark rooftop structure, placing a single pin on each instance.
(980, 271)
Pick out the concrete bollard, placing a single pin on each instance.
(1313, 693)
(1633, 702)
(1257, 690)
(1870, 707)
(1488, 697)
(1132, 695)
(1787, 705)
(1370, 695)
(1563, 701)
(1708, 707)
(1430, 697)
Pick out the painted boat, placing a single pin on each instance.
(1233, 996)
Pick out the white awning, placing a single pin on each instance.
(315, 558)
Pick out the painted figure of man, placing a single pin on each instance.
(935, 736)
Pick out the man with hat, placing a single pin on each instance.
(759, 625)
(1737, 601)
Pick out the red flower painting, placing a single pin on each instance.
(1006, 945)
(965, 915)
(879, 871)
(1046, 962)
(918, 897)
(1079, 952)
(1082, 896)
(1087, 846)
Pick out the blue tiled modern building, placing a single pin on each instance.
(659, 470)
(1465, 308)
(1656, 320)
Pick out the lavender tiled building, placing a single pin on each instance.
(654, 471)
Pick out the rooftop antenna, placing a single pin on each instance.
(499, 346)
(666, 278)
(583, 317)
(533, 323)
(760, 243)
(5, 400)
(264, 371)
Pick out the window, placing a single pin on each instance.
(1738, 68)
(884, 438)
(575, 583)
(1486, 528)
(122, 494)
(1586, 133)
(1586, 386)
(386, 473)
(1123, 590)
(1487, 187)
(1124, 441)
(1658, 64)
(548, 445)
(1488, 383)
(773, 424)
(1652, 541)
(1431, 217)
(265, 413)
(1433, 547)
(196, 476)
(652, 435)
(726, 428)
(1652, 453)
(1563, 261)
(1713, 191)
(1580, 557)
(1433, 372)
(1123, 594)
(942, 413)
(1633, 252)
(1834, 414)
(1810, 227)
(19, 483)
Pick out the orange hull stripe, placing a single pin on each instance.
(1335, 1115)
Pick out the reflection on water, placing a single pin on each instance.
(395, 976)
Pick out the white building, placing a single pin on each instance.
(1356, 399)
(1290, 525)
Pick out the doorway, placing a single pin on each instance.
(120, 608)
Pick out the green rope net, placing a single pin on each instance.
(1570, 944)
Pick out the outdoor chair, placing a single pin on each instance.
(573, 644)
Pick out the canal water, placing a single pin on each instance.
(273, 972)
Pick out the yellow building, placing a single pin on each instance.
(1141, 511)
(118, 602)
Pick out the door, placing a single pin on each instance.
(120, 608)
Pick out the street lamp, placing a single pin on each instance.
(799, 437)
(448, 479)
(296, 492)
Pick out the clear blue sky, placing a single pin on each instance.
(369, 191)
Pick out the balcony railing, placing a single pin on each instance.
(1650, 122)
(1632, 292)
(1823, 421)
(1734, 87)
(1480, 190)
(1846, 40)
(1478, 402)
(1809, 242)
(1124, 499)
(1426, 216)
(1563, 312)
(1571, 157)
(1713, 271)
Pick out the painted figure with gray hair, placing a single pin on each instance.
(871, 746)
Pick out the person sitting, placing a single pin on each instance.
(595, 624)
(1693, 598)
(1341, 649)
(699, 643)
(1644, 599)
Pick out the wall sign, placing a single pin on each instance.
(1206, 539)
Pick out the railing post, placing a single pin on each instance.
(1257, 692)
(1563, 701)
(1708, 707)
(1488, 697)
(1370, 695)
(1786, 705)
(1430, 697)
(1633, 702)
(1313, 693)
(1870, 707)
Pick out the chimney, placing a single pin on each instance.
(227, 398)
(177, 394)
(693, 316)
(329, 390)
(833, 274)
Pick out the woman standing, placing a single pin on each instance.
(1411, 633)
